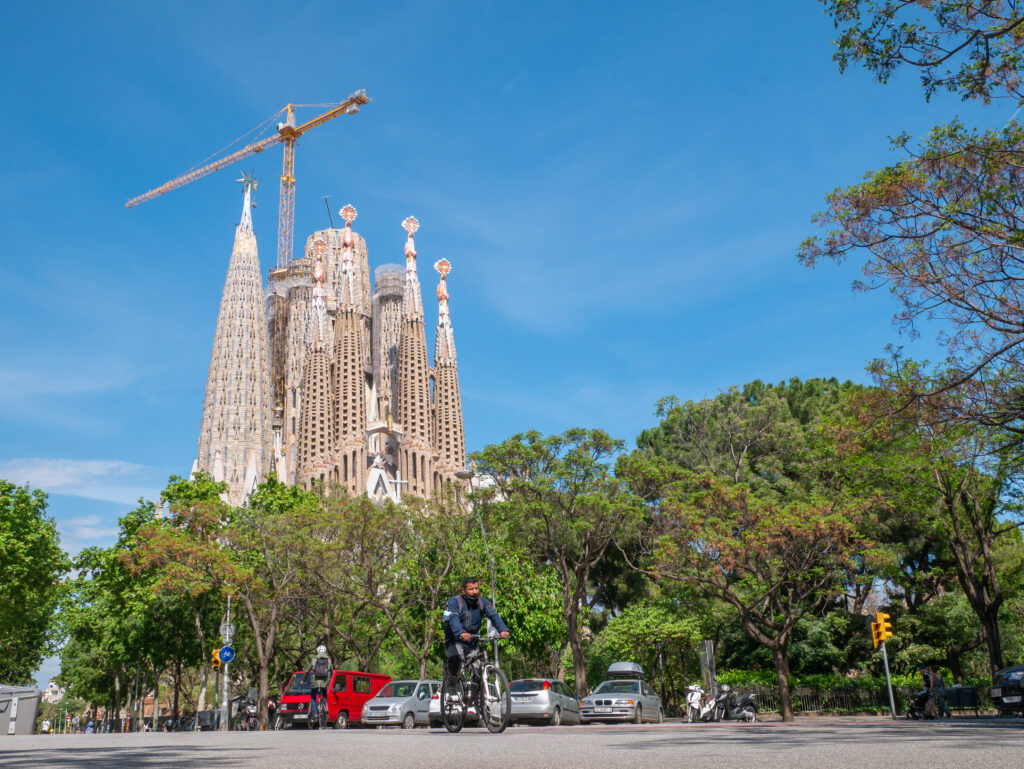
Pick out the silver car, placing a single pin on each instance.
(405, 703)
(622, 700)
(544, 700)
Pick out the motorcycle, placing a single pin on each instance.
(250, 716)
(700, 706)
(736, 707)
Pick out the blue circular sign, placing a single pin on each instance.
(226, 654)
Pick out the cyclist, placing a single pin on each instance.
(463, 617)
(320, 672)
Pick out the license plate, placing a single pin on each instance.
(995, 693)
(299, 716)
(602, 710)
(519, 699)
(1014, 698)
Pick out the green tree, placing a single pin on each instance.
(32, 564)
(772, 564)
(968, 47)
(562, 501)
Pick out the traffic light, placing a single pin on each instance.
(883, 625)
(874, 634)
(215, 660)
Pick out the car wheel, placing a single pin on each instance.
(556, 717)
(409, 721)
(638, 716)
(342, 721)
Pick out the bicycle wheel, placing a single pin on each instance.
(453, 704)
(323, 714)
(495, 699)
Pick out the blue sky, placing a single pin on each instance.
(620, 188)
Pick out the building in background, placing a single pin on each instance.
(362, 406)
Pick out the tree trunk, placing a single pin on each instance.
(576, 644)
(177, 689)
(116, 725)
(990, 624)
(264, 687)
(781, 656)
(156, 698)
(201, 706)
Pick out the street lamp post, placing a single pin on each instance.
(469, 475)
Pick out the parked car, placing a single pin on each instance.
(434, 713)
(1008, 689)
(347, 692)
(623, 696)
(544, 700)
(401, 702)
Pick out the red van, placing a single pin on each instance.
(347, 691)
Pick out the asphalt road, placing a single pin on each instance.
(872, 743)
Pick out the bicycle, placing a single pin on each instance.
(482, 684)
(318, 702)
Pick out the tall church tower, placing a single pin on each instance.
(316, 418)
(449, 436)
(350, 364)
(235, 442)
(413, 374)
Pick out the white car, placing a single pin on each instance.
(401, 702)
(435, 712)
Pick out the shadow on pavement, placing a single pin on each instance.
(155, 757)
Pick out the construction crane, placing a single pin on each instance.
(287, 134)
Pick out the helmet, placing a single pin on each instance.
(321, 649)
(726, 688)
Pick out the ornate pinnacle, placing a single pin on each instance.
(443, 266)
(410, 225)
(348, 213)
(248, 180)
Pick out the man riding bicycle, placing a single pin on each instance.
(320, 672)
(463, 617)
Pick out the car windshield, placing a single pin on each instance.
(299, 684)
(528, 685)
(618, 687)
(398, 689)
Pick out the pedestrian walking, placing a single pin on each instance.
(939, 693)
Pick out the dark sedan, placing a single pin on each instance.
(1008, 690)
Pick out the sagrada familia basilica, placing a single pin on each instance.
(325, 379)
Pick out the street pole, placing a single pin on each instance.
(469, 475)
(888, 681)
(225, 706)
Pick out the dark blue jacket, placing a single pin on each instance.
(460, 617)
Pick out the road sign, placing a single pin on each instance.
(227, 629)
(227, 654)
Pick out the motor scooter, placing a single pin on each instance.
(736, 707)
(700, 706)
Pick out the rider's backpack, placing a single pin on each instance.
(321, 668)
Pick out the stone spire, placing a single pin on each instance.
(235, 442)
(449, 435)
(316, 418)
(413, 372)
(350, 465)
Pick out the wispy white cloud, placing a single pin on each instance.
(87, 528)
(109, 480)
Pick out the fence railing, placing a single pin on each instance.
(812, 700)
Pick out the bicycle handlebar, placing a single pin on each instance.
(492, 637)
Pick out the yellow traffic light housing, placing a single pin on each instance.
(874, 634)
(884, 626)
(215, 660)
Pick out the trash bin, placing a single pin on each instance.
(19, 706)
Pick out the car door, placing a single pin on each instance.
(421, 702)
(651, 702)
(336, 694)
(572, 705)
